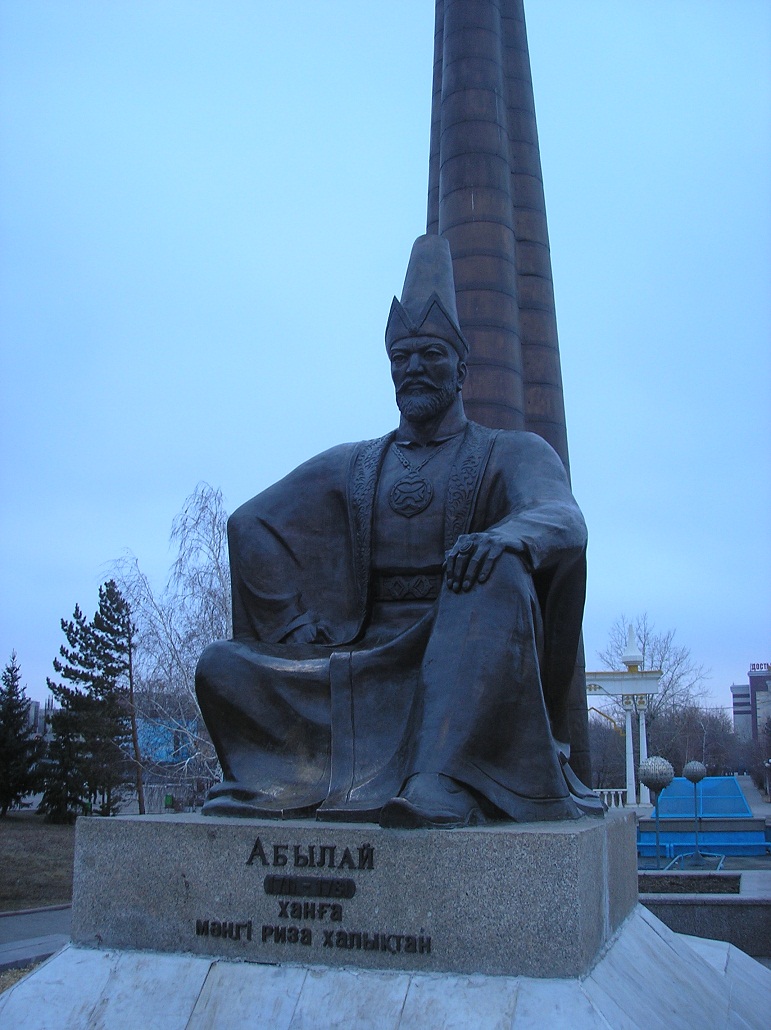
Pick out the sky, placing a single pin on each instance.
(206, 208)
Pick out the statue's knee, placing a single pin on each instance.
(512, 576)
(509, 588)
(210, 668)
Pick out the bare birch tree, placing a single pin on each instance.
(679, 728)
(682, 679)
(176, 624)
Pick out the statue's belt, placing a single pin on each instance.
(405, 586)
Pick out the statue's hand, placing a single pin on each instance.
(471, 559)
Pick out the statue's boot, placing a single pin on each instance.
(584, 797)
(431, 800)
(232, 799)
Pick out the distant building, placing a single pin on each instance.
(166, 741)
(33, 717)
(39, 718)
(752, 702)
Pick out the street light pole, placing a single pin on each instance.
(695, 772)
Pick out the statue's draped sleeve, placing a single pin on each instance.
(292, 558)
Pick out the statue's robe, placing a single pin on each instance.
(472, 684)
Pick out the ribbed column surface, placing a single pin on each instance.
(486, 197)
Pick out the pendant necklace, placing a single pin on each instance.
(412, 494)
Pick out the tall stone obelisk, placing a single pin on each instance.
(485, 194)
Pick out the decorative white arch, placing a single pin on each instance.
(634, 687)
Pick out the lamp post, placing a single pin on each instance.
(695, 772)
(656, 773)
(633, 661)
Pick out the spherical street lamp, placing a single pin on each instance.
(695, 772)
(656, 773)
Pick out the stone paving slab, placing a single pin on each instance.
(267, 997)
(749, 978)
(154, 992)
(351, 998)
(649, 979)
(755, 883)
(61, 994)
(650, 970)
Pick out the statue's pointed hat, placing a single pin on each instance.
(427, 307)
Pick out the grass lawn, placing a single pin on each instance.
(35, 862)
(11, 976)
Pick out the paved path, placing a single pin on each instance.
(32, 935)
(757, 802)
(756, 882)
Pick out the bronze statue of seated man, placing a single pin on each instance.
(406, 612)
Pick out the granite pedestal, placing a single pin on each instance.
(530, 904)
(538, 900)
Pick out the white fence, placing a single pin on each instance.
(613, 797)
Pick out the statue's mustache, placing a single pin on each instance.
(413, 383)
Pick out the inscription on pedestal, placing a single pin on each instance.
(290, 913)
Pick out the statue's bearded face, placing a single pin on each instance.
(427, 375)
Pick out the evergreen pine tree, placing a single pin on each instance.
(65, 786)
(66, 779)
(114, 635)
(92, 729)
(20, 749)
